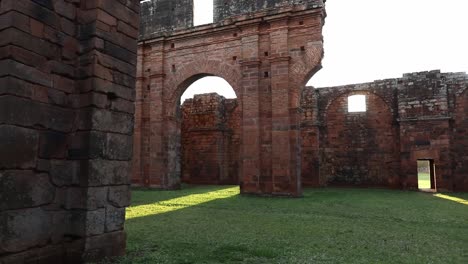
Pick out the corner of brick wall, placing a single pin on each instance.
(67, 77)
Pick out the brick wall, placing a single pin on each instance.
(459, 144)
(67, 74)
(210, 140)
(419, 116)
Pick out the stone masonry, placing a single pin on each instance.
(210, 140)
(67, 78)
(266, 51)
(419, 116)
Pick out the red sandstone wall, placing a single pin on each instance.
(420, 116)
(459, 84)
(425, 127)
(406, 119)
(310, 138)
(210, 143)
(359, 148)
(266, 59)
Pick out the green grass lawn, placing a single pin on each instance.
(424, 181)
(214, 224)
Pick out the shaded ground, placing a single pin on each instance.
(216, 225)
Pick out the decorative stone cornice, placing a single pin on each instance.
(157, 76)
(250, 62)
(280, 59)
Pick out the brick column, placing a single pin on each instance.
(285, 115)
(67, 78)
(250, 157)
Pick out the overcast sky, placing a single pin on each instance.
(367, 40)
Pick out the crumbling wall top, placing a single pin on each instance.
(227, 8)
(161, 17)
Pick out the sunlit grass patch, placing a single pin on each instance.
(452, 198)
(424, 181)
(178, 203)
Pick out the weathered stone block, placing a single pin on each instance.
(119, 196)
(99, 145)
(52, 145)
(32, 113)
(105, 120)
(109, 244)
(84, 198)
(87, 223)
(22, 189)
(65, 172)
(14, 68)
(22, 229)
(19, 146)
(106, 172)
(115, 218)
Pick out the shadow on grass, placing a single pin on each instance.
(213, 224)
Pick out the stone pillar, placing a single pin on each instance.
(285, 115)
(250, 157)
(67, 78)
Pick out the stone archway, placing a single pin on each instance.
(266, 58)
(172, 121)
(210, 133)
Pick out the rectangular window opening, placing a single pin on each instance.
(426, 175)
(202, 12)
(357, 103)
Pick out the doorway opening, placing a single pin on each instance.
(426, 175)
(210, 133)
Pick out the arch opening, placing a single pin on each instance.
(208, 84)
(209, 125)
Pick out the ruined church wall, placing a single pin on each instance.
(459, 145)
(162, 17)
(419, 116)
(224, 9)
(350, 149)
